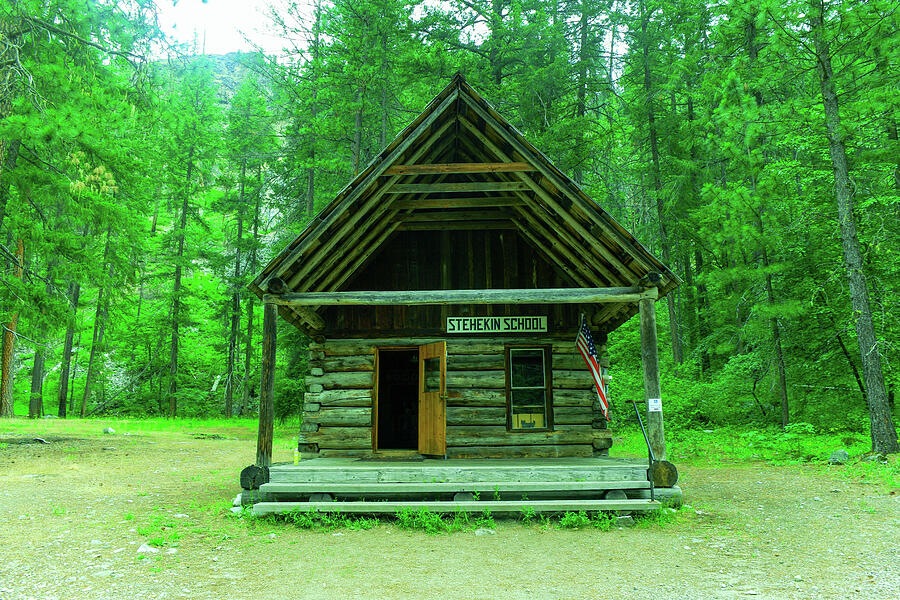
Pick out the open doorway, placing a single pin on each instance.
(398, 402)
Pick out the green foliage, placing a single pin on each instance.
(327, 520)
(422, 520)
(114, 150)
(572, 520)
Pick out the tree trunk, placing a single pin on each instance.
(176, 290)
(65, 365)
(235, 299)
(657, 186)
(248, 349)
(36, 400)
(97, 336)
(884, 434)
(776, 339)
(9, 340)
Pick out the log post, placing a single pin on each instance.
(267, 388)
(650, 363)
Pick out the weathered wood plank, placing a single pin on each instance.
(266, 433)
(488, 487)
(455, 345)
(568, 361)
(577, 380)
(476, 362)
(348, 380)
(572, 415)
(340, 416)
(358, 438)
(494, 506)
(457, 215)
(534, 451)
(573, 398)
(468, 186)
(354, 362)
(458, 202)
(477, 379)
(476, 415)
(476, 397)
(489, 296)
(499, 436)
(361, 397)
(477, 167)
(650, 364)
(456, 225)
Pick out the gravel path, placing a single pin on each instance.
(74, 513)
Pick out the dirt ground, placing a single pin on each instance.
(73, 513)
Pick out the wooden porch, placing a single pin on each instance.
(502, 486)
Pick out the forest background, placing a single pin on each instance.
(142, 185)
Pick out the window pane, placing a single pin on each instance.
(433, 374)
(527, 368)
(528, 409)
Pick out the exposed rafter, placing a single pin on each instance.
(460, 166)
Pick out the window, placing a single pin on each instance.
(528, 389)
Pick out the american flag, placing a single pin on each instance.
(589, 353)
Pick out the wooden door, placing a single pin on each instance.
(433, 399)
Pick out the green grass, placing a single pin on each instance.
(238, 428)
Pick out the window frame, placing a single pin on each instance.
(547, 350)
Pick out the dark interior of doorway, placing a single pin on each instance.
(398, 399)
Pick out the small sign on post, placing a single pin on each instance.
(654, 405)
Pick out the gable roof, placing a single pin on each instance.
(460, 164)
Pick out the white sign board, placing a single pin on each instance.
(654, 405)
(496, 324)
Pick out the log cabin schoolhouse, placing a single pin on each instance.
(443, 290)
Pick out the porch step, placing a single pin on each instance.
(462, 471)
(273, 490)
(494, 506)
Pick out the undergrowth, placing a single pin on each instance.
(434, 523)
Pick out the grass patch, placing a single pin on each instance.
(326, 521)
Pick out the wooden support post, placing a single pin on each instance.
(650, 363)
(267, 388)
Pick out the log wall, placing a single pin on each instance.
(338, 407)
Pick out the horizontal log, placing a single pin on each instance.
(457, 225)
(498, 436)
(574, 380)
(361, 397)
(572, 415)
(496, 296)
(476, 362)
(455, 345)
(350, 380)
(458, 215)
(466, 202)
(476, 415)
(477, 379)
(451, 187)
(439, 168)
(355, 438)
(574, 398)
(536, 451)
(567, 361)
(339, 364)
(340, 416)
(475, 397)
